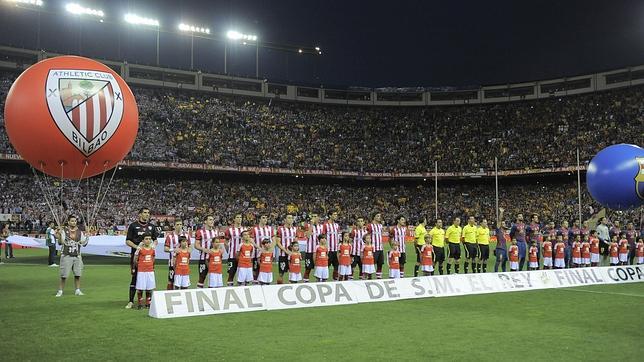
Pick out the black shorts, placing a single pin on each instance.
(471, 250)
(170, 274)
(356, 260)
(378, 257)
(282, 264)
(484, 252)
(403, 259)
(333, 259)
(418, 252)
(439, 254)
(232, 266)
(308, 261)
(454, 250)
(256, 264)
(203, 269)
(604, 249)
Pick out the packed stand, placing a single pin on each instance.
(179, 125)
(192, 199)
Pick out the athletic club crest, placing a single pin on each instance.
(639, 178)
(87, 106)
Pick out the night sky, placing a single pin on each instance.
(364, 43)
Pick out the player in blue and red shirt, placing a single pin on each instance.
(518, 232)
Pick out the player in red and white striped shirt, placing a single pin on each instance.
(332, 231)
(171, 244)
(375, 230)
(398, 234)
(312, 230)
(203, 242)
(233, 240)
(260, 232)
(357, 233)
(286, 235)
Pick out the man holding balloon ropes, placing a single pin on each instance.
(71, 238)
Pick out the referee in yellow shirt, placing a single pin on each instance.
(438, 242)
(483, 241)
(471, 251)
(419, 241)
(453, 237)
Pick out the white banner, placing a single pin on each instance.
(193, 302)
(104, 245)
(376, 290)
(285, 296)
(5, 217)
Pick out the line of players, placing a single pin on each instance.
(585, 252)
(326, 244)
(250, 250)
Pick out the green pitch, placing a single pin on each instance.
(585, 323)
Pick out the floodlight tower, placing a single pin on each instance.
(236, 36)
(192, 30)
(78, 11)
(135, 19)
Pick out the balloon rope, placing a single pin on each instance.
(50, 188)
(62, 179)
(44, 193)
(50, 192)
(98, 194)
(81, 176)
(87, 216)
(75, 192)
(43, 189)
(107, 189)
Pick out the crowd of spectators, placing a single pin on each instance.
(186, 126)
(192, 199)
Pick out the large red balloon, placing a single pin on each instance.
(72, 111)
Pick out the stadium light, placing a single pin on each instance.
(235, 35)
(26, 2)
(193, 29)
(140, 20)
(245, 38)
(77, 9)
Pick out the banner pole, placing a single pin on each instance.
(579, 187)
(436, 189)
(496, 184)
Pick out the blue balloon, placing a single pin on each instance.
(615, 177)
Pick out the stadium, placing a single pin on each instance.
(431, 222)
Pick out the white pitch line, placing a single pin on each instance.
(598, 292)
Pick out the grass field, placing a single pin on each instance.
(586, 323)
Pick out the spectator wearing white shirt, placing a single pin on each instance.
(4, 236)
(604, 237)
(50, 241)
